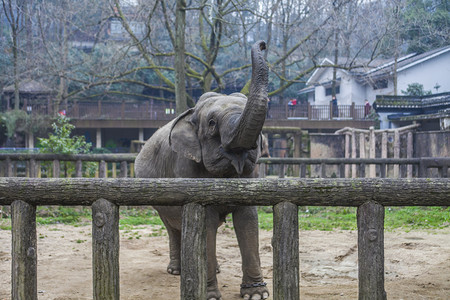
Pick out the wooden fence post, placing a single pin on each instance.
(396, 153)
(193, 252)
(24, 251)
(56, 168)
(409, 154)
(123, 169)
(78, 168)
(103, 172)
(285, 252)
(370, 219)
(105, 249)
(353, 152)
(372, 143)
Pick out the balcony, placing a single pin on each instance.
(153, 110)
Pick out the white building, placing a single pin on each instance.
(431, 69)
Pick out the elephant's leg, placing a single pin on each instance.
(245, 221)
(212, 223)
(174, 266)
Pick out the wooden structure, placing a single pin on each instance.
(121, 165)
(106, 195)
(351, 146)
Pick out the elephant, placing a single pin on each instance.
(218, 138)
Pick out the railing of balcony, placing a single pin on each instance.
(154, 110)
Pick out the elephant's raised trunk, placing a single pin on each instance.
(248, 126)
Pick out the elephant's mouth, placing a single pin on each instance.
(237, 158)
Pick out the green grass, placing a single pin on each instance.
(310, 218)
(344, 218)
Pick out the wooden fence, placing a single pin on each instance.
(121, 165)
(285, 195)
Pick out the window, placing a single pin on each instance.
(380, 84)
(329, 91)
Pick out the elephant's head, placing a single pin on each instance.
(224, 132)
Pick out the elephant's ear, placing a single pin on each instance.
(183, 137)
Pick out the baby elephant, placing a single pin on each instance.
(219, 138)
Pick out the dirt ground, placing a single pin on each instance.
(417, 264)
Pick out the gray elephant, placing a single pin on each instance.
(219, 138)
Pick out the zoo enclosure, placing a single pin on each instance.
(285, 195)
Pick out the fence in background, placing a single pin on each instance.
(121, 165)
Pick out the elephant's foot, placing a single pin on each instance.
(212, 293)
(174, 267)
(254, 291)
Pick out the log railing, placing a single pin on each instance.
(121, 165)
(285, 195)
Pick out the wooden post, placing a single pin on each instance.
(56, 168)
(409, 154)
(281, 170)
(32, 168)
(193, 252)
(323, 170)
(105, 249)
(383, 153)
(114, 169)
(102, 169)
(297, 149)
(353, 152)
(262, 170)
(342, 170)
(24, 251)
(302, 170)
(370, 219)
(362, 152)
(285, 252)
(372, 141)
(396, 152)
(78, 168)
(8, 166)
(347, 155)
(123, 169)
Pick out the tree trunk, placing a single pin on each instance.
(180, 77)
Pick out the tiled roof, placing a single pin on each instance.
(442, 99)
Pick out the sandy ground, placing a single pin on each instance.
(417, 264)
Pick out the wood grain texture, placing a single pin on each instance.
(285, 244)
(180, 191)
(24, 251)
(105, 250)
(193, 252)
(370, 220)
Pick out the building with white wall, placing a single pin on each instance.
(431, 69)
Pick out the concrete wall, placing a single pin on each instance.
(432, 144)
(325, 146)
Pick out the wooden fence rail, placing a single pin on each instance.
(285, 195)
(32, 161)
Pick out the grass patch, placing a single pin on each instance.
(139, 216)
(344, 218)
(62, 215)
(310, 218)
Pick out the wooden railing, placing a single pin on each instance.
(421, 166)
(285, 195)
(121, 165)
(153, 110)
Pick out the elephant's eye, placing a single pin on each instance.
(212, 127)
